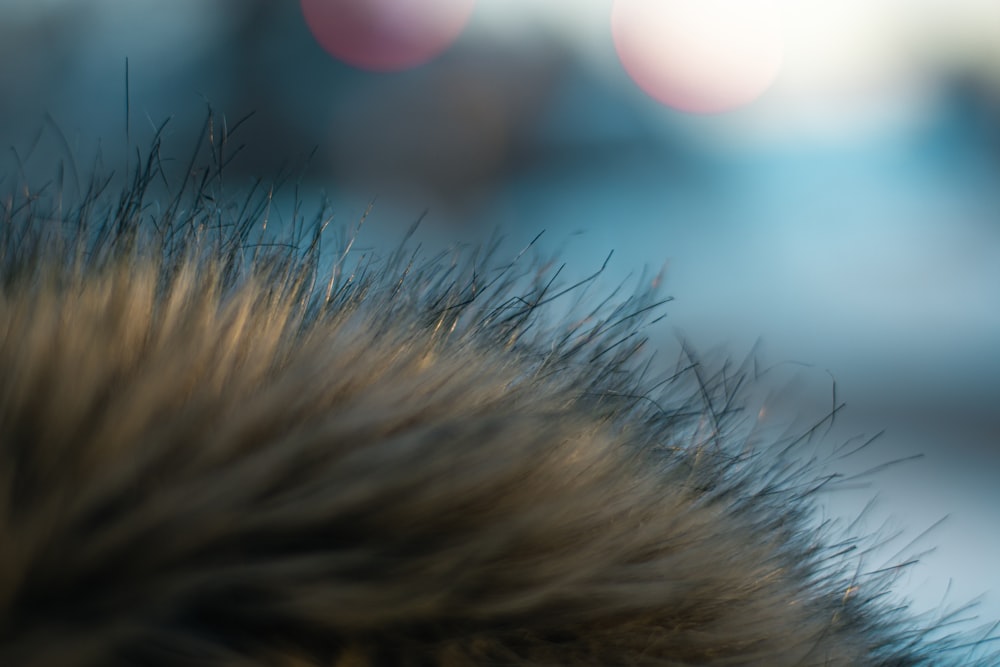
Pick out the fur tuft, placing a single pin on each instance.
(223, 451)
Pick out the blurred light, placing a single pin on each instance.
(702, 57)
(386, 35)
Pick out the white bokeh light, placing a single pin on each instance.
(701, 57)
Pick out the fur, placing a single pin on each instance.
(220, 450)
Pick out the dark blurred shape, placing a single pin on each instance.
(449, 132)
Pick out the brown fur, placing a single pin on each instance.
(211, 455)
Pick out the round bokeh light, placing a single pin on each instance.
(699, 56)
(386, 35)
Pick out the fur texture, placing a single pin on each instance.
(223, 452)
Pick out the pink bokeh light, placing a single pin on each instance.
(386, 35)
(699, 56)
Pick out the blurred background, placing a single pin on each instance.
(819, 180)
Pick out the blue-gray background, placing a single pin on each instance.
(849, 220)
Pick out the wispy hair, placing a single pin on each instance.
(227, 446)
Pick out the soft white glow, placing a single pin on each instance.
(703, 57)
(849, 66)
